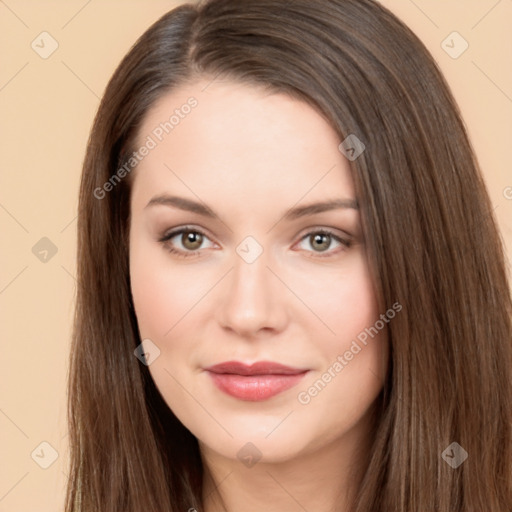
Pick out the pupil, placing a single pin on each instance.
(319, 238)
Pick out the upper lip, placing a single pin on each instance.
(258, 368)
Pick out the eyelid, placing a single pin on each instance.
(335, 232)
(171, 233)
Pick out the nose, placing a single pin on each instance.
(254, 300)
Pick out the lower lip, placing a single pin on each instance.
(254, 388)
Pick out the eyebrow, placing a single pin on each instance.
(291, 214)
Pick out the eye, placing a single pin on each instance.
(321, 240)
(185, 242)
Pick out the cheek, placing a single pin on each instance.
(365, 344)
(153, 298)
(162, 294)
(164, 297)
(343, 302)
(354, 348)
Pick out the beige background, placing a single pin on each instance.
(46, 110)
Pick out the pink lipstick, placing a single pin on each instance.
(257, 382)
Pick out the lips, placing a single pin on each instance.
(256, 382)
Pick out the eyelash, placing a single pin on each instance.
(187, 254)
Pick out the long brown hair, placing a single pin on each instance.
(431, 238)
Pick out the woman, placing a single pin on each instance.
(292, 291)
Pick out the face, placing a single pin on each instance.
(230, 263)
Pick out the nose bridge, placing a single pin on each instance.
(251, 278)
(252, 301)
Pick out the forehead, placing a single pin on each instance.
(243, 140)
